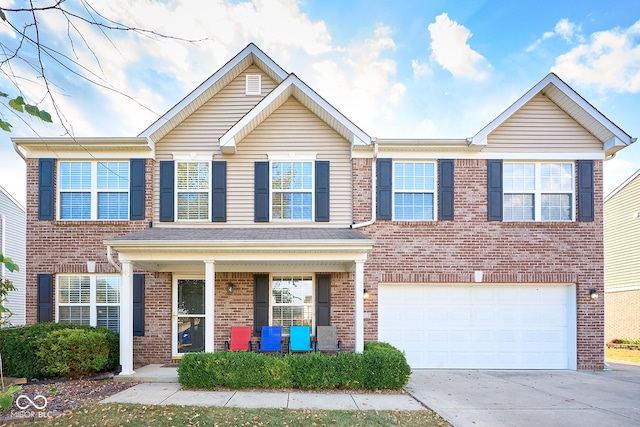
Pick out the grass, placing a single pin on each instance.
(116, 414)
(623, 355)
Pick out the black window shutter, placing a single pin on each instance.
(45, 298)
(138, 305)
(445, 190)
(136, 189)
(46, 189)
(261, 192)
(494, 190)
(322, 191)
(219, 191)
(385, 188)
(323, 300)
(260, 303)
(585, 191)
(167, 192)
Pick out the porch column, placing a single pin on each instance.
(359, 320)
(126, 319)
(209, 303)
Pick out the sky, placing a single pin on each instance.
(397, 69)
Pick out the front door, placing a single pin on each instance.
(188, 316)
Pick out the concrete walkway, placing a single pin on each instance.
(159, 386)
(474, 398)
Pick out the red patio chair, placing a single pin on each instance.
(240, 339)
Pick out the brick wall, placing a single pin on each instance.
(527, 252)
(622, 318)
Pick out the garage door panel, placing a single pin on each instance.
(479, 326)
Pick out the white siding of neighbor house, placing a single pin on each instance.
(541, 126)
(622, 237)
(292, 128)
(13, 235)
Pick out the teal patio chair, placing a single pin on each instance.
(300, 339)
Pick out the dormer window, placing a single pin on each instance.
(253, 84)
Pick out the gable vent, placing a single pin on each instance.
(253, 84)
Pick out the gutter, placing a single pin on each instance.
(15, 147)
(374, 189)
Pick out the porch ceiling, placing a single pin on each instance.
(256, 249)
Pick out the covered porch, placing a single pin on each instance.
(207, 252)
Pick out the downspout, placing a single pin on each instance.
(15, 147)
(374, 189)
(112, 261)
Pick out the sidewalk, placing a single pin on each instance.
(159, 386)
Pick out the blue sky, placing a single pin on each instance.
(401, 69)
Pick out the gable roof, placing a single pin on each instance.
(553, 87)
(293, 86)
(218, 80)
(623, 185)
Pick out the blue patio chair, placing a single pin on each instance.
(300, 339)
(270, 340)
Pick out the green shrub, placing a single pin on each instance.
(73, 352)
(233, 370)
(387, 367)
(19, 346)
(381, 366)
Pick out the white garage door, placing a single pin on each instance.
(480, 326)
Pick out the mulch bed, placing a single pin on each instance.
(61, 396)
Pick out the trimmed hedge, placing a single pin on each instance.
(380, 366)
(20, 346)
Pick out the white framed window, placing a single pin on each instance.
(193, 190)
(538, 191)
(92, 300)
(93, 190)
(253, 84)
(292, 301)
(292, 189)
(414, 191)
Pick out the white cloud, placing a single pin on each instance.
(450, 49)
(564, 28)
(419, 69)
(360, 81)
(609, 60)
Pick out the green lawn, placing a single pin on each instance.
(116, 414)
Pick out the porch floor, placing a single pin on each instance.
(154, 373)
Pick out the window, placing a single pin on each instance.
(538, 191)
(292, 301)
(292, 190)
(193, 190)
(94, 190)
(89, 300)
(414, 190)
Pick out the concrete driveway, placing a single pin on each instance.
(532, 398)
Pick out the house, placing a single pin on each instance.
(621, 268)
(13, 224)
(253, 201)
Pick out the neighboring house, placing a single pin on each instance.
(621, 266)
(13, 225)
(253, 201)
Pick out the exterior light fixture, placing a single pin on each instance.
(230, 287)
(366, 294)
(593, 294)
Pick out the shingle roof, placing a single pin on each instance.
(239, 234)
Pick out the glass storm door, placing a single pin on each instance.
(188, 316)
